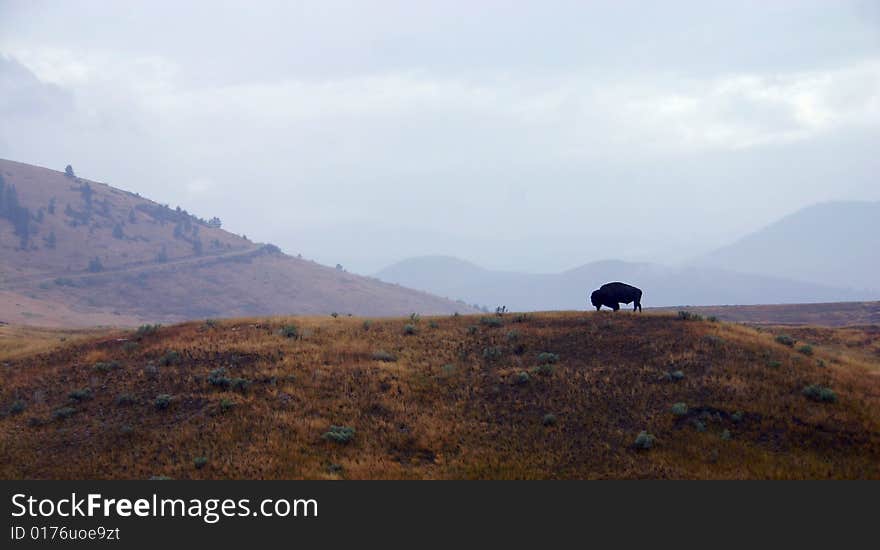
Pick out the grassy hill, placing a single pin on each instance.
(546, 395)
(75, 252)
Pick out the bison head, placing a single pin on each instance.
(596, 298)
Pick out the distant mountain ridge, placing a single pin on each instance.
(80, 252)
(663, 286)
(831, 243)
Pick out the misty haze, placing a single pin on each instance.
(365, 236)
(535, 140)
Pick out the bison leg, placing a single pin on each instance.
(616, 307)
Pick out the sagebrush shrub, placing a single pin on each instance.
(689, 316)
(339, 434)
(240, 384)
(644, 440)
(546, 369)
(162, 401)
(83, 394)
(384, 356)
(146, 330)
(125, 399)
(217, 377)
(171, 357)
(151, 370)
(106, 366)
(785, 340)
(820, 394)
(63, 412)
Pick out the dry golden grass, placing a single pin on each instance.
(452, 405)
(17, 340)
(833, 314)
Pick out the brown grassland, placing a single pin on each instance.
(452, 397)
(833, 314)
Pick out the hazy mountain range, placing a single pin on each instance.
(824, 253)
(79, 252)
(831, 243)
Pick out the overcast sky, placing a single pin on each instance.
(520, 135)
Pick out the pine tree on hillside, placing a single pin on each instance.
(87, 192)
(12, 210)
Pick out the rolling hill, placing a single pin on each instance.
(550, 395)
(832, 243)
(663, 286)
(75, 252)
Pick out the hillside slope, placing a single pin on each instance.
(836, 314)
(561, 395)
(78, 252)
(832, 243)
(663, 286)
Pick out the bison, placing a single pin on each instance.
(612, 294)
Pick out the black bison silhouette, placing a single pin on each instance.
(612, 294)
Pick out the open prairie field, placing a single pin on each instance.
(832, 314)
(547, 395)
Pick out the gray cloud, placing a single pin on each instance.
(531, 135)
